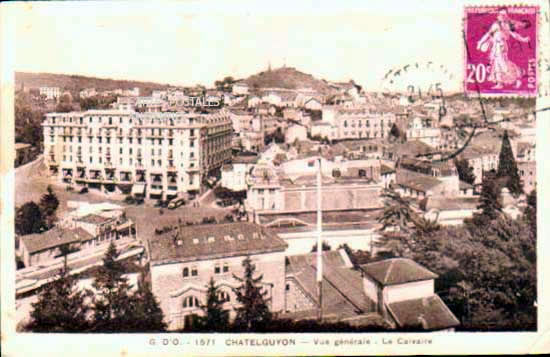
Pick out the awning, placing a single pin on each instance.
(138, 189)
(156, 191)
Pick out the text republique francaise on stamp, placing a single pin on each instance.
(500, 56)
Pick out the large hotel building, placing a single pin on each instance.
(157, 155)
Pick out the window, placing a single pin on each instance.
(99, 139)
(139, 140)
(120, 150)
(108, 140)
(225, 268)
(191, 301)
(194, 271)
(287, 287)
(217, 269)
(185, 272)
(223, 296)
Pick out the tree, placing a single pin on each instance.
(48, 206)
(226, 84)
(507, 167)
(112, 310)
(490, 201)
(396, 132)
(65, 104)
(530, 212)
(145, 312)
(253, 314)
(215, 317)
(60, 307)
(465, 171)
(28, 219)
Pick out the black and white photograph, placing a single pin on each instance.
(273, 172)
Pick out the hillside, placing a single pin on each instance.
(286, 77)
(75, 83)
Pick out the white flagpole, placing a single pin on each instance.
(319, 242)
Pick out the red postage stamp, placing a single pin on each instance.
(500, 56)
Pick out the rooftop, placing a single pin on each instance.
(397, 271)
(93, 219)
(342, 286)
(55, 237)
(416, 181)
(207, 241)
(429, 312)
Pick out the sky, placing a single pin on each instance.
(191, 42)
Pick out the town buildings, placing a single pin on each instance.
(355, 123)
(51, 93)
(183, 260)
(403, 292)
(90, 227)
(151, 154)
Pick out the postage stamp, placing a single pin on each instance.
(248, 178)
(500, 56)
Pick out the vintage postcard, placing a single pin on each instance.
(289, 178)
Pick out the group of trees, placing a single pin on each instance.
(97, 102)
(113, 307)
(225, 85)
(486, 267)
(35, 218)
(28, 121)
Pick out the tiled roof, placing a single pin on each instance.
(55, 237)
(397, 271)
(429, 312)
(418, 182)
(342, 286)
(207, 241)
(448, 203)
(94, 219)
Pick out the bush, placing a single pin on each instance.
(129, 200)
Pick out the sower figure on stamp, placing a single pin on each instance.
(503, 71)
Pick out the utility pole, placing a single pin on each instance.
(319, 243)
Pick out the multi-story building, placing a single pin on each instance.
(50, 92)
(421, 129)
(481, 159)
(151, 154)
(184, 259)
(359, 123)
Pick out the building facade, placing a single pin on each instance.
(50, 92)
(183, 260)
(151, 154)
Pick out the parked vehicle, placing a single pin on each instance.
(176, 202)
